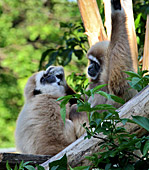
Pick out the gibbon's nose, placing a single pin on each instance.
(48, 79)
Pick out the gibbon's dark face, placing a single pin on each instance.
(53, 75)
(94, 67)
(52, 81)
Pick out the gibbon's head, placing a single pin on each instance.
(96, 55)
(52, 81)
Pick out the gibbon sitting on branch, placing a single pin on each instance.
(40, 128)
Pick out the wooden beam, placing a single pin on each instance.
(76, 152)
(146, 47)
(92, 21)
(14, 159)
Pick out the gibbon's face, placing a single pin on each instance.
(93, 68)
(52, 81)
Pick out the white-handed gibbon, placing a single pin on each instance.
(40, 128)
(107, 62)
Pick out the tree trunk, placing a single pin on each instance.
(146, 47)
(127, 5)
(107, 24)
(92, 21)
(76, 152)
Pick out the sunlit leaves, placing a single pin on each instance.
(72, 44)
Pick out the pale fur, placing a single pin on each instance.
(40, 128)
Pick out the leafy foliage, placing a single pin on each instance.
(77, 81)
(119, 145)
(24, 166)
(138, 80)
(60, 164)
(73, 42)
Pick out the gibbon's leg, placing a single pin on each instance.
(78, 119)
(119, 54)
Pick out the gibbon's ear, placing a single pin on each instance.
(70, 91)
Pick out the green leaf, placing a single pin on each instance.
(52, 58)
(146, 148)
(102, 93)
(8, 166)
(65, 101)
(16, 167)
(117, 99)
(132, 74)
(84, 107)
(135, 81)
(44, 55)
(79, 54)
(55, 167)
(60, 164)
(40, 167)
(61, 98)
(21, 164)
(29, 167)
(103, 107)
(137, 21)
(142, 121)
(108, 166)
(67, 53)
(97, 88)
(25, 163)
(63, 113)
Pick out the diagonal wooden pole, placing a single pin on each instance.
(127, 5)
(92, 21)
(146, 47)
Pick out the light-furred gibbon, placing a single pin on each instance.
(40, 128)
(107, 62)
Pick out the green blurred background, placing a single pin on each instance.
(28, 28)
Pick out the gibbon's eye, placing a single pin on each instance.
(91, 61)
(59, 76)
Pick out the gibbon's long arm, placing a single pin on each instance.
(119, 52)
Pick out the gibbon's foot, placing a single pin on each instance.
(116, 4)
